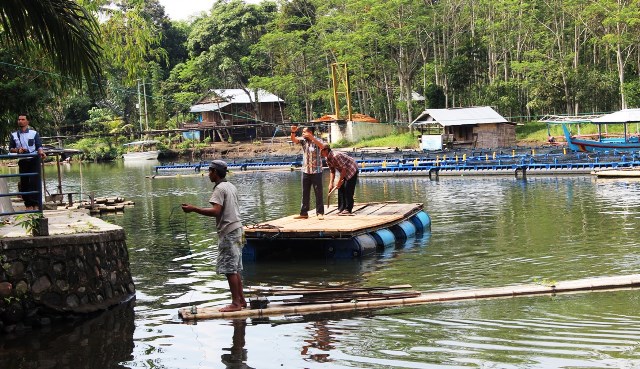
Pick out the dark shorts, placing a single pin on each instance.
(230, 252)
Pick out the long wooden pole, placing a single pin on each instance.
(574, 286)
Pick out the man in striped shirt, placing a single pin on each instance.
(348, 169)
(311, 170)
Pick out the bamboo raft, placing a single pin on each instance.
(101, 205)
(358, 303)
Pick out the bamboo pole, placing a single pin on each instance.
(574, 286)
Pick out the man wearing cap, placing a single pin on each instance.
(224, 207)
(311, 170)
(348, 169)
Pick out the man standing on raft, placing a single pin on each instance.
(311, 170)
(224, 207)
(348, 169)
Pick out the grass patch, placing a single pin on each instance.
(401, 141)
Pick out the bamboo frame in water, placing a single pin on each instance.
(573, 286)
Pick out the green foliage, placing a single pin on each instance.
(131, 41)
(98, 149)
(30, 221)
(102, 121)
(60, 30)
(526, 59)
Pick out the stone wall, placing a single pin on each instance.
(42, 278)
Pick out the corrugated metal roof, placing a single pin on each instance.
(235, 96)
(239, 96)
(459, 116)
(199, 108)
(622, 116)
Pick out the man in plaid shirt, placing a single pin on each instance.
(311, 170)
(346, 186)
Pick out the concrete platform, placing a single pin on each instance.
(61, 222)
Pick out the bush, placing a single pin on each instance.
(97, 149)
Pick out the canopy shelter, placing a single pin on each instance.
(458, 117)
(480, 127)
(623, 117)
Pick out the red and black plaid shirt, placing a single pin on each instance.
(344, 163)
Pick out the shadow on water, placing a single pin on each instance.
(102, 341)
(295, 271)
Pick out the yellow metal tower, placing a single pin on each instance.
(340, 78)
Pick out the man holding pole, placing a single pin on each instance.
(348, 169)
(224, 207)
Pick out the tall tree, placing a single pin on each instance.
(222, 41)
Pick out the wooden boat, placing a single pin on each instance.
(618, 173)
(141, 150)
(370, 227)
(626, 143)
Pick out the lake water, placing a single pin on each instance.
(485, 232)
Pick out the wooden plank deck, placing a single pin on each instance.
(365, 218)
(574, 286)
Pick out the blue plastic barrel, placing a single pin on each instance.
(422, 221)
(403, 230)
(366, 245)
(384, 238)
(249, 252)
(359, 246)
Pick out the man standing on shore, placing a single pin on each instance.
(27, 141)
(224, 207)
(311, 170)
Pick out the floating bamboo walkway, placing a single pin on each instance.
(574, 286)
(101, 205)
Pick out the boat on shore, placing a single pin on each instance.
(141, 150)
(601, 143)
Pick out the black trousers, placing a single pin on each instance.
(346, 192)
(308, 181)
(30, 183)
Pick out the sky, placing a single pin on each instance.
(183, 9)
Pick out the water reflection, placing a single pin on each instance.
(236, 358)
(318, 347)
(103, 341)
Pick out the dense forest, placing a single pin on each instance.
(525, 58)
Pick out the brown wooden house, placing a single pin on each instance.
(237, 113)
(476, 127)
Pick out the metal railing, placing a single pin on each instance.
(37, 175)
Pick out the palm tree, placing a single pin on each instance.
(62, 28)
